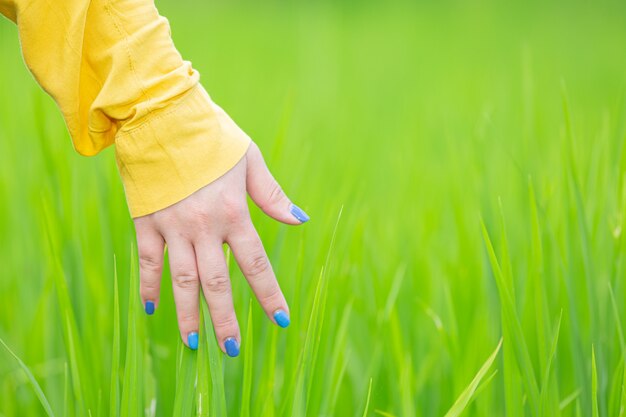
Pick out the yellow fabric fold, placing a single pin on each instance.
(177, 151)
(112, 68)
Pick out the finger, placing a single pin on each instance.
(186, 289)
(150, 246)
(255, 265)
(218, 294)
(267, 193)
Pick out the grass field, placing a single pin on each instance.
(467, 157)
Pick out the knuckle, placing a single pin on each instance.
(234, 213)
(185, 280)
(201, 218)
(187, 318)
(165, 217)
(149, 286)
(225, 324)
(217, 283)
(276, 194)
(256, 265)
(273, 299)
(149, 263)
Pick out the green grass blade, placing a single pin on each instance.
(546, 402)
(383, 413)
(203, 389)
(66, 392)
(466, 396)
(248, 353)
(114, 398)
(622, 404)
(305, 373)
(185, 382)
(569, 399)
(218, 403)
(367, 400)
(266, 391)
(31, 379)
(132, 399)
(594, 385)
(511, 321)
(70, 329)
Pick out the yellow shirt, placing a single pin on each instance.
(113, 70)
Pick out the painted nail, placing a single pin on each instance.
(232, 347)
(192, 340)
(299, 214)
(282, 319)
(149, 308)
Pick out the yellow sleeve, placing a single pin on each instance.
(115, 74)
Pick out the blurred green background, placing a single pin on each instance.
(419, 120)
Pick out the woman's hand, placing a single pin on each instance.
(195, 229)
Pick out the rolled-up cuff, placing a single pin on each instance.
(176, 151)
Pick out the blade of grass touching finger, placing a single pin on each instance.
(299, 400)
(310, 383)
(218, 403)
(247, 366)
(305, 374)
(114, 397)
(594, 385)
(31, 379)
(132, 401)
(203, 388)
(185, 382)
(467, 394)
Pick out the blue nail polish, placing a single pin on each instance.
(282, 319)
(232, 347)
(149, 308)
(299, 214)
(192, 340)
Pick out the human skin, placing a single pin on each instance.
(195, 229)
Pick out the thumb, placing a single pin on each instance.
(267, 193)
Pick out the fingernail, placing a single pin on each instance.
(282, 319)
(298, 213)
(192, 340)
(232, 347)
(149, 308)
